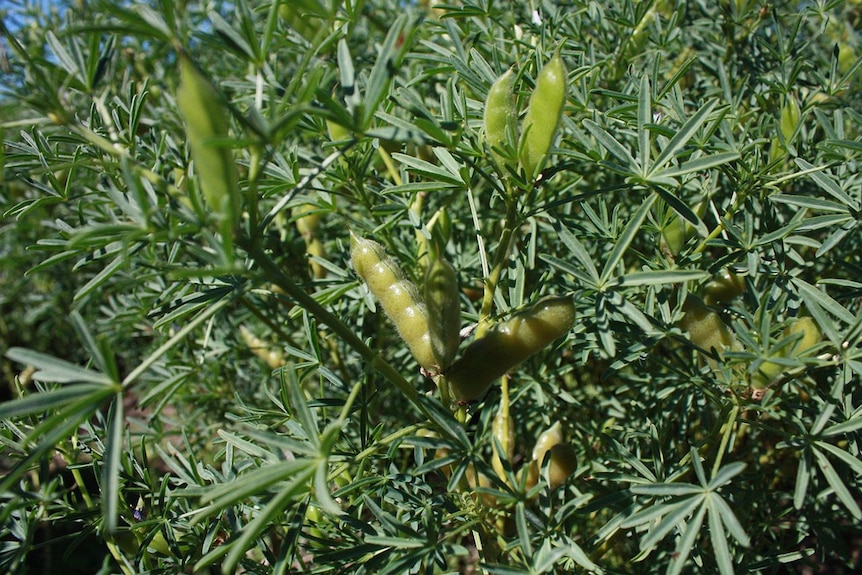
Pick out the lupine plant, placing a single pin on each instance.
(386, 286)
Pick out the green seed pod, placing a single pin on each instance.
(811, 335)
(207, 122)
(336, 132)
(547, 439)
(442, 299)
(726, 287)
(307, 221)
(677, 231)
(704, 327)
(543, 116)
(789, 118)
(315, 248)
(500, 115)
(397, 296)
(507, 345)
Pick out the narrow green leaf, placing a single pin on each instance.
(56, 370)
(301, 412)
(646, 515)
(395, 43)
(111, 464)
(644, 119)
(43, 401)
(603, 325)
(822, 299)
(578, 250)
(616, 149)
(347, 74)
(852, 461)
(811, 203)
(677, 515)
(837, 485)
(263, 521)
(719, 539)
(546, 557)
(190, 326)
(660, 277)
(666, 489)
(429, 169)
(223, 27)
(827, 184)
(725, 474)
(252, 449)
(55, 429)
(681, 138)
(570, 269)
(803, 477)
(254, 482)
(730, 521)
(686, 542)
(848, 426)
(626, 239)
(701, 164)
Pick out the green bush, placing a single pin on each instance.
(196, 380)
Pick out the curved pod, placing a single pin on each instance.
(507, 345)
(397, 296)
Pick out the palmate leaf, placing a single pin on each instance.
(686, 510)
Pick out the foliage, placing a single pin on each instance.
(204, 391)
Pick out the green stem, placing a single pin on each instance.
(725, 438)
(500, 259)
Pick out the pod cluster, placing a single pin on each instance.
(540, 123)
(432, 342)
(508, 344)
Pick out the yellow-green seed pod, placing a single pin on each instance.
(315, 248)
(725, 287)
(206, 120)
(545, 110)
(769, 370)
(499, 116)
(272, 357)
(547, 439)
(508, 344)
(397, 296)
(789, 118)
(307, 220)
(705, 329)
(336, 131)
(677, 230)
(444, 310)
(811, 335)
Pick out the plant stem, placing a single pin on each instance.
(500, 258)
(725, 438)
